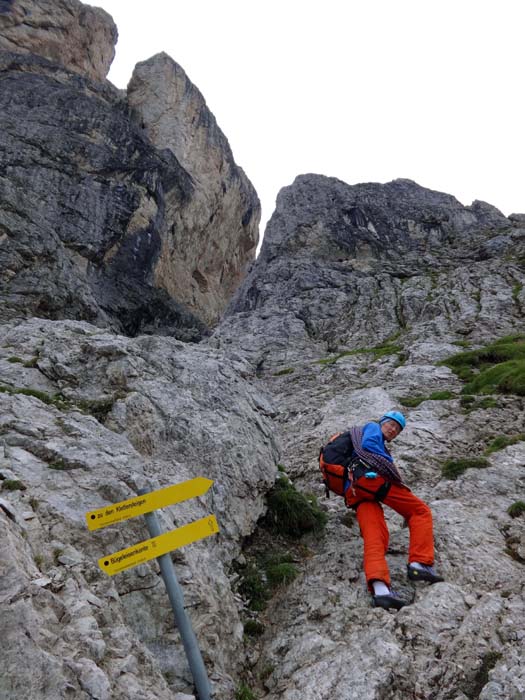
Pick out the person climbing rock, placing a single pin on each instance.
(371, 478)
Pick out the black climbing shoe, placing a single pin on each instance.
(392, 600)
(426, 573)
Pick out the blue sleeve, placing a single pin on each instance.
(373, 441)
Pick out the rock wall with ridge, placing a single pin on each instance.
(206, 252)
(358, 294)
(87, 418)
(343, 267)
(98, 222)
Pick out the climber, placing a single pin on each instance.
(375, 480)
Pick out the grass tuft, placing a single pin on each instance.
(495, 368)
(13, 485)
(243, 692)
(414, 401)
(454, 467)
(503, 441)
(253, 587)
(253, 628)
(283, 372)
(516, 509)
(291, 512)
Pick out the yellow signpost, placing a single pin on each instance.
(154, 547)
(158, 547)
(115, 513)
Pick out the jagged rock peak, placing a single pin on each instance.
(133, 216)
(391, 217)
(336, 257)
(218, 238)
(77, 36)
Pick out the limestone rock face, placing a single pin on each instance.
(104, 416)
(344, 267)
(357, 296)
(206, 251)
(138, 220)
(77, 36)
(81, 204)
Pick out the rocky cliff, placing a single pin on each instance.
(99, 222)
(359, 295)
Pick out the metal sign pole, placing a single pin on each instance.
(182, 620)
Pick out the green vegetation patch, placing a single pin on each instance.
(503, 378)
(283, 372)
(414, 401)
(472, 403)
(516, 509)
(253, 628)
(98, 408)
(260, 577)
(51, 400)
(388, 347)
(332, 360)
(454, 467)
(243, 692)
(279, 568)
(59, 465)
(13, 485)
(503, 441)
(253, 587)
(495, 368)
(291, 512)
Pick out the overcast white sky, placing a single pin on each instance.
(362, 90)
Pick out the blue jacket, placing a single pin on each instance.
(374, 441)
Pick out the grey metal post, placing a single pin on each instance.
(182, 620)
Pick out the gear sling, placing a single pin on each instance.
(342, 473)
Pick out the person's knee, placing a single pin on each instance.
(423, 510)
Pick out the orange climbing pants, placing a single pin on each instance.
(375, 532)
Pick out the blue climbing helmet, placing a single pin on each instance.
(394, 415)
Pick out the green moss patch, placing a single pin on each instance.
(291, 512)
(388, 347)
(243, 692)
(503, 441)
(454, 467)
(516, 509)
(253, 628)
(414, 401)
(253, 587)
(51, 400)
(280, 569)
(495, 368)
(283, 372)
(13, 485)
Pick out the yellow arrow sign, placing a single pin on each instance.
(145, 504)
(156, 546)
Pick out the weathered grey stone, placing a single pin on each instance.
(345, 267)
(75, 174)
(100, 223)
(77, 36)
(205, 252)
(203, 420)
